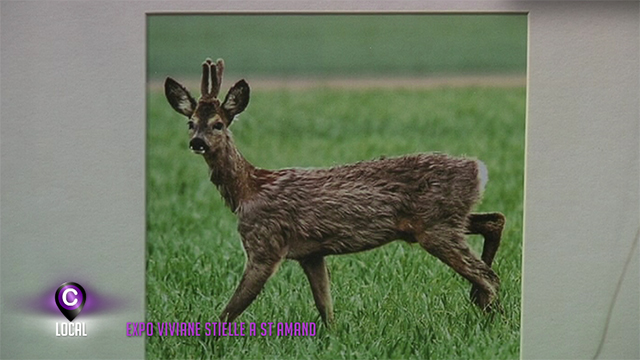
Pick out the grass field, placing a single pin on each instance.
(393, 302)
(320, 45)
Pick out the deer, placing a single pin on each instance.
(308, 214)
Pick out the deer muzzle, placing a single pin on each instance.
(198, 146)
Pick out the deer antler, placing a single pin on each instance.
(211, 78)
(219, 70)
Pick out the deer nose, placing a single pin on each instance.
(198, 146)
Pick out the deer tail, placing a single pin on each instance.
(483, 174)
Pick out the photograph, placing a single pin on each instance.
(319, 179)
(276, 141)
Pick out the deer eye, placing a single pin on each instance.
(218, 125)
(191, 125)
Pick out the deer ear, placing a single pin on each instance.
(179, 97)
(236, 100)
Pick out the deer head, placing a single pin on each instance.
(209, 119)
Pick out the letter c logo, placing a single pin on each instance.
(64, 297)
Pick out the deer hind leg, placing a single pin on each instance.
(253, 280)
(316, 270)
(490, 226)
(450, 247)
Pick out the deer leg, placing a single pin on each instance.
(316, 270)
(252, 282)
(490, 226)
(451, 248)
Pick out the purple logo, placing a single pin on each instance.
(70, 298)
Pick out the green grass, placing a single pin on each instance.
(393, 302)
(320, 45)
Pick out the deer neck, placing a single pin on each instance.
(232, 174)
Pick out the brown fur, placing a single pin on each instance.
(306, 215)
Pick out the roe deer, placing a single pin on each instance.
(305, 215)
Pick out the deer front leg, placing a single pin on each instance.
(255, 276)
(316, 270)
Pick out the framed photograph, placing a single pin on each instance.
(328, 90)
(116, 243)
